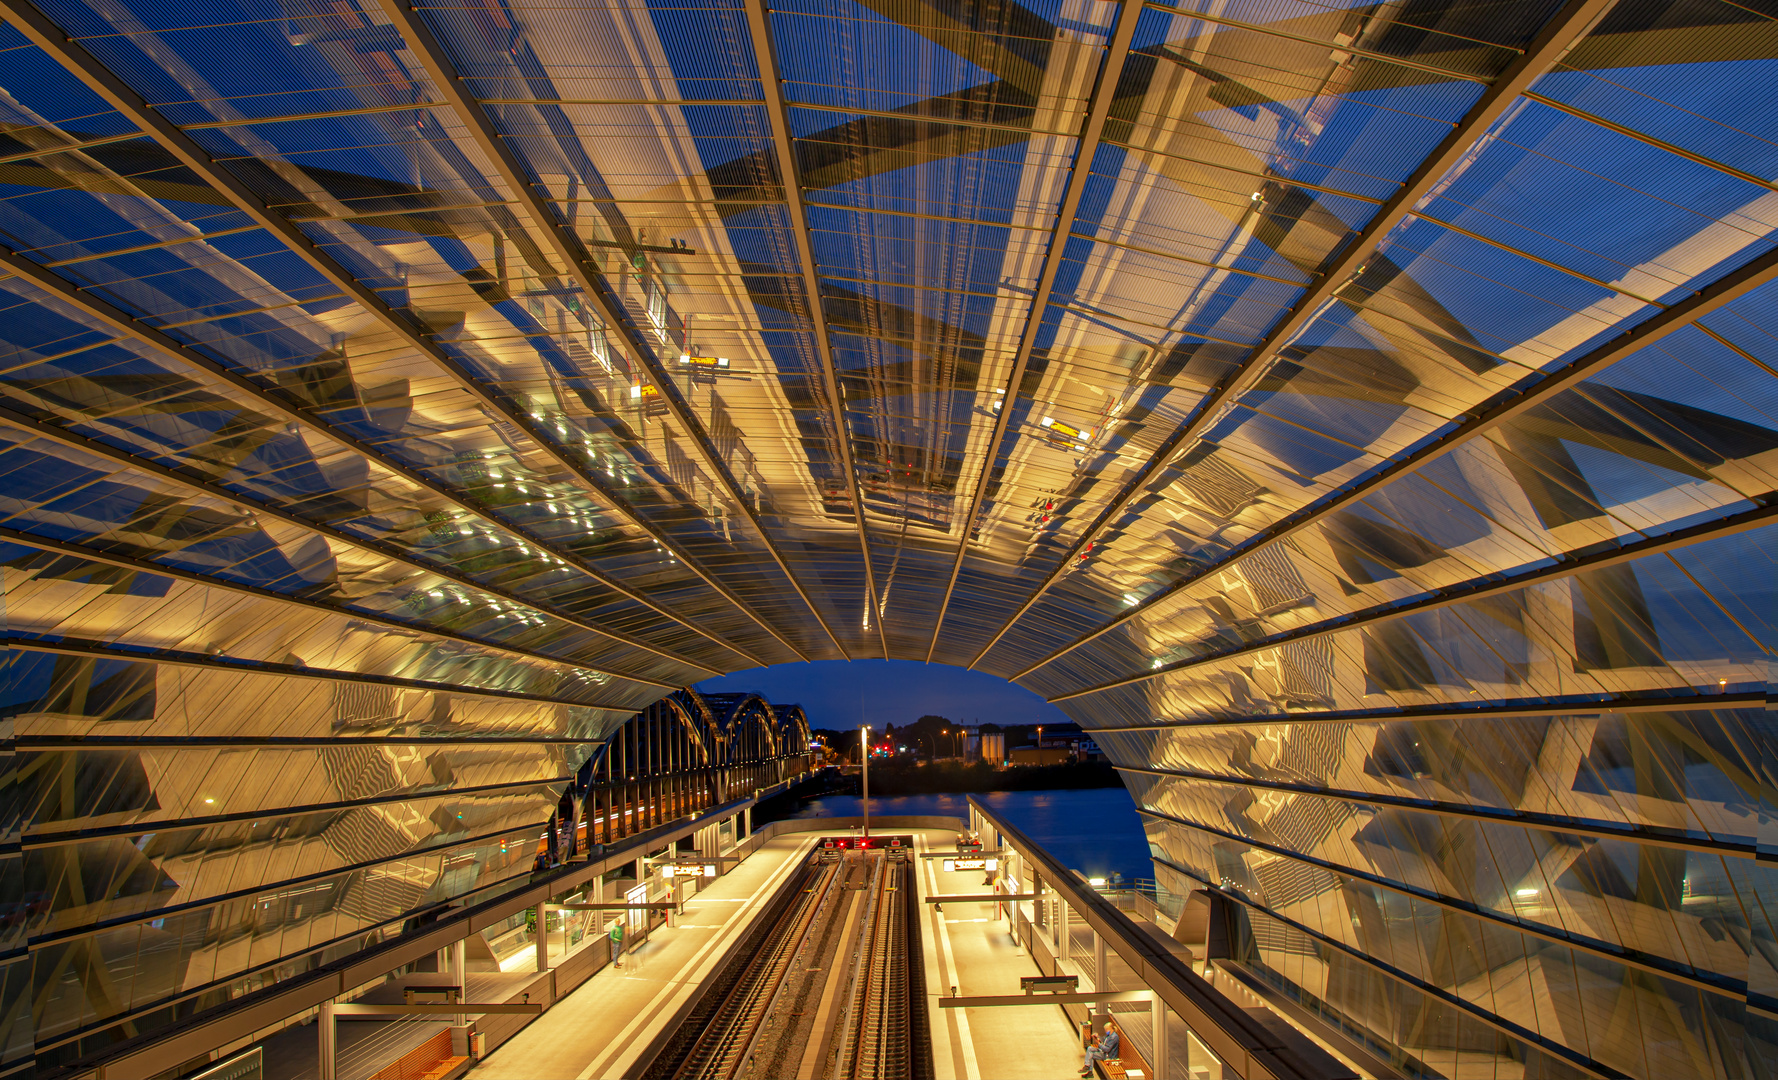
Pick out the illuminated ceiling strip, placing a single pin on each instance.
(1565, 28)
(127, 562)
(45, 35)
(382, 549)
(513, 173)
(1494, 585)
(1617, 954)
(765, 54)
(1111, 70)
(236, 665)
(1507, 406)
(90, 305)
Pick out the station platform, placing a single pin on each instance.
(969, 948)
(601, 1028)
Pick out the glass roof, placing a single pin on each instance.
(562, 331)
(1183, 362)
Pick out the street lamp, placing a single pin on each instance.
(864, 746)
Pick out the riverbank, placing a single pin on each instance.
(952, 777)
(1096, 831)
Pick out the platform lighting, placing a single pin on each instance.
(864, 744)
(1096, 882)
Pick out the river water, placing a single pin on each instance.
(1093, 830)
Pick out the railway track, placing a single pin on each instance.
(824, 991)
(876, 1043)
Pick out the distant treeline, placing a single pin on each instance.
(943, 777)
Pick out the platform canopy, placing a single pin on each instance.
(1363, 418)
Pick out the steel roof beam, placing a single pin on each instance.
(1734, 989)
(1506, 407)
(203, 662)
(1111, 70)
(1565, 28)
(125, 460)
(1567, 566)
(759, 24)
(569, 248)
(140, 332)
(60, 46)
(146, 566)
(1455, 1002)
(1562, 706)
(1648, 835)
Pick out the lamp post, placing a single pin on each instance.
(864, 748)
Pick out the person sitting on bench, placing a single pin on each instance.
(1106, 1050)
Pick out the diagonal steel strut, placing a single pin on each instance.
(1565, 28)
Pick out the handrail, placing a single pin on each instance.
(1246, 1046)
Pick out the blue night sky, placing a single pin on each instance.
(840, 694)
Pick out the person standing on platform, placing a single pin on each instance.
(617, 942)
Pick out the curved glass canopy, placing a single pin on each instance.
(1363, 417)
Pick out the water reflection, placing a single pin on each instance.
(1095, 830)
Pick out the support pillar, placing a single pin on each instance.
(460, 974)
(746, 828)
(1158, 1012)
(324, 1027)
(542, 938)
(1100, 982)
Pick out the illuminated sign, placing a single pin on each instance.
(972, 864)
(1065, 436)
(688, 870)
(649, 398)
(704, 369)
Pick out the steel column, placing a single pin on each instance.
(1111, 70)
(513, 173)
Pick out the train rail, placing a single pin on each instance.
(824, 991)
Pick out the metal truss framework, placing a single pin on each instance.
(1420, 366)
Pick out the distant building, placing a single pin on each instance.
(1040, 755)
(989, 746)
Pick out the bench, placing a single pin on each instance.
(443, 1068)
(1128, 1065)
